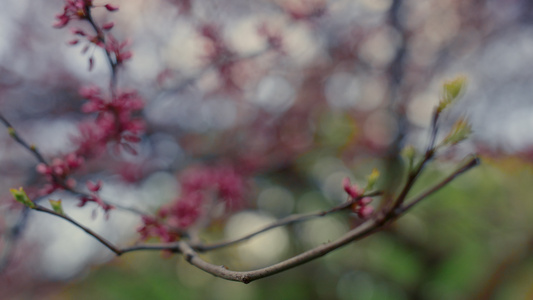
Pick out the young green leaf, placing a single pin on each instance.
(451, 92)
(56, 206)
(11, 131)
(409, 152)
(372, 179)
(460, 131)
(21, 196)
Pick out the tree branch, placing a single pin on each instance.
(246, 277)
(101, 239)
(282, 222)
(472, 162)
(13, 133)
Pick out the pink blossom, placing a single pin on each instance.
(227, 184)
(197, 184)
(91, 140)
(116, 48)
(96, 199)
(108, 26)
(58, 171)
(62, 21)
(362, 208)
(307, 10)
(186, 211)
(90, 92)
(74, 161)
(78, 31)
(152, 227)
(365, 200)
(73, 9)
(91, 63)
(94, 187)
(114, 122)
(43, 169)
(353, 190)
(131, 172)
(110, 7)
(365, 211)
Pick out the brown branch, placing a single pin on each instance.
(411, 179)
(429, 154)
(282, 222)
(472, 162)
(248, 276)
(13, 133)
(101, 37)
(101, 239)
(173, 247)
(121, 207)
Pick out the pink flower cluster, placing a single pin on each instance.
(57, 174)
(94, 188)
(153, 227)
(184, 212)
(115, 121)
(116, 48)
(58, 171)
(77, 9)
(115, 116)
(81, 9)
(197, 184)
(361, 204)
(228, 185)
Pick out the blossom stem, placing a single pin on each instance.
(112, 64)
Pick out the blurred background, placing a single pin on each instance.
(297, 94)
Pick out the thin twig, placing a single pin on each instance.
(434, 130)
(248, 276)
(413, 174)
(101, 37)
(13, 133)
(282, 222)
(472, 162)
(411, 179)
(118, 206)
(173, 247)
(101, 239)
